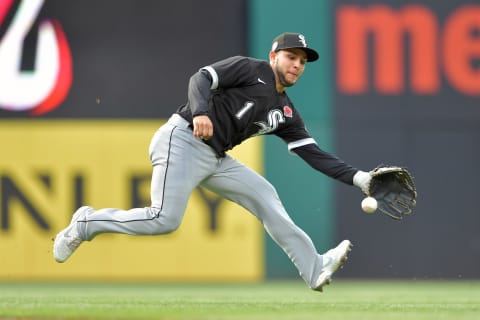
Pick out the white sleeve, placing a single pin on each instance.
(214, 76)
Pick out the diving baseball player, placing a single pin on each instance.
(228, 102)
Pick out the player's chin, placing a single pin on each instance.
(290, 81)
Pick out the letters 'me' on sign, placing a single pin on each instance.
(451, 48)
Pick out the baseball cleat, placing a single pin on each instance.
(335, 258)
(68, 240)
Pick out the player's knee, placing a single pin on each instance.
(165, 223)
(170, 226)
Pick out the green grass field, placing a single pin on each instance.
(343, 299)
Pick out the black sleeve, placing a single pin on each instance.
(326, 163)
(232, 72)
(199, 92)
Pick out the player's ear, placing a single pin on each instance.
(272, 55)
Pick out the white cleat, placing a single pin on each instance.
(68, 240)
(335, 258)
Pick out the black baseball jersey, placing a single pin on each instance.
(242, 102)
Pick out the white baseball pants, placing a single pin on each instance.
(182, 162)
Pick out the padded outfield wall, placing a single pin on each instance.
(307, 195)
(85, 85)
(398, 82)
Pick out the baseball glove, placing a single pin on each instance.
(394, 190)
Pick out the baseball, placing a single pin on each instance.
(369, 205)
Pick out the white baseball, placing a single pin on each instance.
(369, 205)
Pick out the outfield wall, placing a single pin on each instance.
(84, 85)
(94, 82)
(55, 166)
(407, 92)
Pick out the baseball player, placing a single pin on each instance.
(229, 101)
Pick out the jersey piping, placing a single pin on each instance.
(300, 143)
(214, 76)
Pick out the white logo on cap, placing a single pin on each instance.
(301, 38)
(275, 46)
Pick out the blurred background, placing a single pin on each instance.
(85, 84)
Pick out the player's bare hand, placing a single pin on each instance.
(202, 127)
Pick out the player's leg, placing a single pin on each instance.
(244, 186)
(162, 218)
(180, 162)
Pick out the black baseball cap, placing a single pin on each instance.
(289, 40)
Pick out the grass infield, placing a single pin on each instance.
(372, 300)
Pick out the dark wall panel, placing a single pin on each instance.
(133, 59)
(435, 133)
